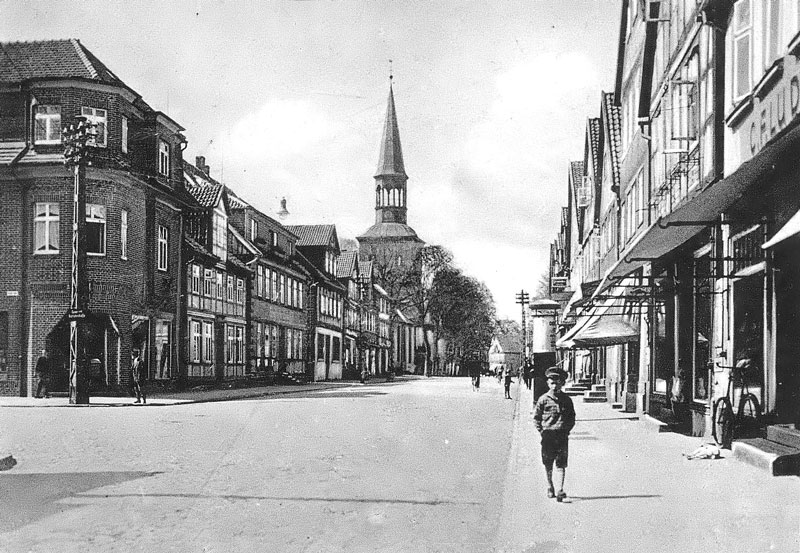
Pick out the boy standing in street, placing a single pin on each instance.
(554, 417)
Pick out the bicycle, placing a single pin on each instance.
(726, 424)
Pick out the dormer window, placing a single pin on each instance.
(99, 118)
(253, 229)
(220, 235)
(273, 238)
(163, 158)
(47, 125)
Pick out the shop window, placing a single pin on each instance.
(45, 225)
(701, 323)
(163, 350)
(336, 349)
(748, 331)
(663, 320)
(196, 342)
(320, 347)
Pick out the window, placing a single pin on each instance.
(123, 234)
(320, 347)
(742, 47)
(229, 296)
(336, 349)
(273, 238)
(163, 247)
(239, 344)
(163, 157)
(684, 100)
(125, 135)
(208, 342)
(772, 31)
(96, 117)
(219, 285)
(231, 344)
(282, 293)
(196, 343)
(273, 277)
(95, 229)
(195, 285)
(47, 125)
(239, 290)
(220, 244)
(260, 282)
(253, 229)
(208, 283)
(45, 228)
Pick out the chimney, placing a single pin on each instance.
(200, 163)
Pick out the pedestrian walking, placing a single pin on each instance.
(554, 417)
(136, 375)
(527, 373)
(507, 380)
(43, 373)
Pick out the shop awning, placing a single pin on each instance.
(699, 210)
(790, 229)
(609, 330)
(592, 319)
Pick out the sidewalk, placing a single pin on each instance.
(630, 489)
(197, 395)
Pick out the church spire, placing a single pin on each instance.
(390, 161)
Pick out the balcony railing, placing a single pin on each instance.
(682, 170)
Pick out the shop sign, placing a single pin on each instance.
(771, 112)
(558, 284)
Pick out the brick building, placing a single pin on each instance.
(133, 218)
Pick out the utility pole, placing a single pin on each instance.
(522, 299)
(76, 144)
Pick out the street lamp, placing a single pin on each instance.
(77, 136)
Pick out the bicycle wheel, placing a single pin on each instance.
(722, 422)
(748, 416)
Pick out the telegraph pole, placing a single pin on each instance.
(522, 299)
(76, 144)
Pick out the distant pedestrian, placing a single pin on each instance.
(136, 376)
(507, 380)
(43, 373)
(476, 380)
(527, 373)
(554, 417)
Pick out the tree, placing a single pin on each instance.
(464, 312)
(409, 283)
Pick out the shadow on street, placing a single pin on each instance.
(237, 497)
(37, 496)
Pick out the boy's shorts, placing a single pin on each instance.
(555, 448)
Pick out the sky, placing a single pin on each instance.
(288, 99)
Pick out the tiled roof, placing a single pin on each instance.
(594, 136)
(365, 268)
(612, 124)
(347, 264)
(235, 201)
(576, 169)
(9, 151)
(205, 190)
(197, 246)
(390, 230)
(510, 343)
(313, 235)
(20, 61)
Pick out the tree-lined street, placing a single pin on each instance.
(417, 465)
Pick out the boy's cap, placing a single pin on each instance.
(554, 373)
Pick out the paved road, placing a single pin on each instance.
(413, 466)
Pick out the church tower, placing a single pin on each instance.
(390, 240)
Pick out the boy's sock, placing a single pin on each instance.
(549, 478)
(560, 475)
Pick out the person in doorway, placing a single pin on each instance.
(136, 376)
(43, 373)
(554, 418)
(508, 378)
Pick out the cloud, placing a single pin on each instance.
(279, 129)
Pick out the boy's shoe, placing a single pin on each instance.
(561, 496)
(551, 493)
